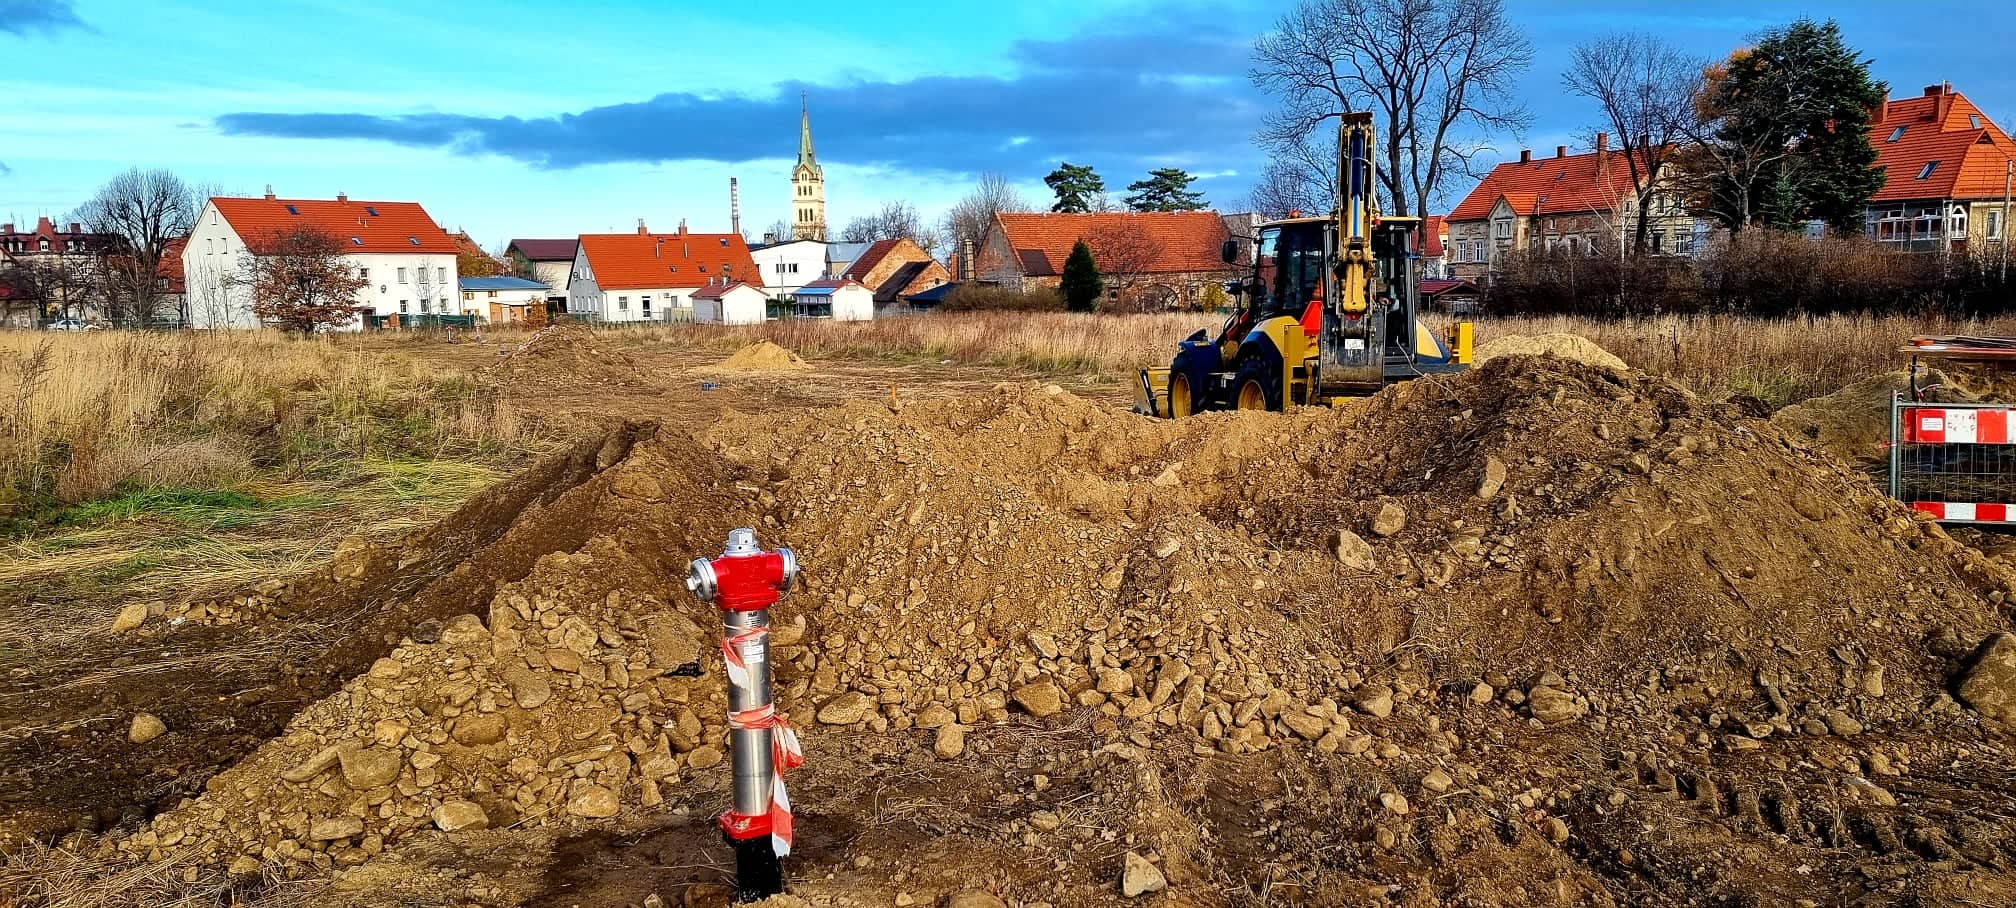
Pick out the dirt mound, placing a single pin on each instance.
(1568, 632)
(1565, 346)
(762, 356)
(565, 356)
(1854, 422)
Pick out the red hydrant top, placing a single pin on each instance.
(744, 578)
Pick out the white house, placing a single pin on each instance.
(500, 300)
(839, 299)
(548, 260)
(789, 265)
(645, 276)
(407, 260)
(738, 303)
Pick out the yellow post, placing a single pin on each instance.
(1463, 336)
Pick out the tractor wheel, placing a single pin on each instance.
(1259, 385)
(1181, 404)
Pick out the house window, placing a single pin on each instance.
(1658, 243)
(622, 304)
(645, 302)
(672, 302)
(402, 307)
(423, 307)
(1958, 222)
(402, 275)
(493, 294)
(364, 273)
(468, 296)
(1502, 229)
(1683, 243)
(794, 267)
(441, 275)
(1994, 225)
(1895, 134)
(1927, 171)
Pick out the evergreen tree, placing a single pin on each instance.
(1077, 187)
(1081, 284)
(1166, 189)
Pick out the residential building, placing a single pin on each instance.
(56, 272)
(808, 185)
(645, 276)
(841, 256)
(839, 299)
(1149, 260)
(1948, 170)
(1432, 247)
(731, 303)
(405, 258)
(788, 265)
(1579, 202)
(896, 268)
(547, 261)
(501, 299)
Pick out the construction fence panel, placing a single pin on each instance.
(1955, 462)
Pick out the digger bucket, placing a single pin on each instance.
(1151, 393)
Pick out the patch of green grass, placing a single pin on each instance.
(128, 569)
(191, 506)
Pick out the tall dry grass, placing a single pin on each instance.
(85, 415)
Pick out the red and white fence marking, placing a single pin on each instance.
(1957, 425)
(1967, 512)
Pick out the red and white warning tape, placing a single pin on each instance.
(785, 753)
(1967, 512)
(1957, 425)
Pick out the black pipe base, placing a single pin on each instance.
(759, 872)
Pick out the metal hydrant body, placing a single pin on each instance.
(743, 582)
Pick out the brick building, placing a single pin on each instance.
(51, 273)
(1149, 260)
(895, 269)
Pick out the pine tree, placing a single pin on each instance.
(1077, 187)
(1166, 189)
(1081, 284)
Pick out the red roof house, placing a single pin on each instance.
(646, 276)
(1580, 201)
(1944, 163)
(1150, 260)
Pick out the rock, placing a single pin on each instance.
(1167, 546)
(1045, 821)
(1482, 693)
(243, 865)
(846, 709)
(1557, 831)
(1843, 724)
(454, 815)
(1989, 685)
(1043, 644)
(351, 559)
(594, 802)
(463, 630)
(674, 640)
(1375, 700)
(1872, 680)
(426, 631)
(1305, 726)
(1553, 705)
(529, 689)
(1437, 781)
(706, 756)
(576, 635)
(130, 618)
(1039, 698)
(935, 716)
(974, 898)
(1391, 519)
(634, 484)
(1140, 877)
(1395, 802)
(563, 660)
(146, 727)
(1354, 551)
(387, 668)
(951, 741)
(389, 732)
(314, 765)
(369, 767)
(479, 729)
(1115, 681)
(1492, 480)
(332, 828)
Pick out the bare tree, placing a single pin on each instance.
(1431, 69)
(779, 231)
(142, 212)
(1124, 251)
(1644, 87)
(1285, 187)
(1721, 169)
(971, 216)
(895, 220)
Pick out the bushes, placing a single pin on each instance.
(1765, 273)
(978, 298)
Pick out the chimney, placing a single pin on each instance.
(7, 227)
(76, 228)
(734, 206)
(269, 192)
(682, 226)
(769, 238)
(640, 227)
(44, 225)
(658, 248)
(1945, 102)
(1880, 109)
(1525, 155)
(342, 199)
(966, 260)
(1603, 142)
(1560, 151)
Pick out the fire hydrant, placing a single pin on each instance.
(744, 582)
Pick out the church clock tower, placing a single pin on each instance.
(808, 185)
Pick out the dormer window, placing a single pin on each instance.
(1895, 134)
(1926, 173)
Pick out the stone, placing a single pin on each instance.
(674, 640)
(1044, 644)
(576, 635)
(1039, 698)
(1391, 519)
(1115, 681)
(1553, 705)
(479, 729)
(1354, 552)
(465, 630)
(389, 732)
(1482, 693)
(846, 709)
(1843, 724)
(563, 660)
(636, 485)
(1493, 479)
(351, 559)
(1045, 821)
(1306, 726)
(594, 802)
(1395, 802)
(1140, 877)
(1375, 700)
(387, 668)
(454, 815)
(242, 865)
(1872, 680)
(706, 756)
(1437, 781)
(950, 743)
(529, 689)
(314, 765)
(130, 618)
(1989, 685)
(935, 716)
(146, 727)
(332, 828)
(1168, 546)
(1557, 830)
(369, 767)
(974, 898)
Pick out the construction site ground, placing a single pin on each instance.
(1547, 633)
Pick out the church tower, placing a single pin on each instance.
(808, 185)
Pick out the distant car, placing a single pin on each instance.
(71, 324)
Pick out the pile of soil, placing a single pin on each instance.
(1542, 633)
(564, 357)
(1565, 346)
(1854, 422)
(761, 356)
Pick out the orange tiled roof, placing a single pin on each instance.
(1184, 241)
(1939, 125)
(1431, 236)
(1591, 181)
(362, 226)
(641, 261)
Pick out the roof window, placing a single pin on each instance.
(1974, 120)
(371, 210)
(356, 241)
(1895, 134)
(293, 210)
(414, 240)
(1927, 171)
(724, 242)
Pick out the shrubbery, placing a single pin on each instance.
(977, 298)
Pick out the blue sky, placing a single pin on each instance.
(521, 118)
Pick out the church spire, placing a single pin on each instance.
(805, 158)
